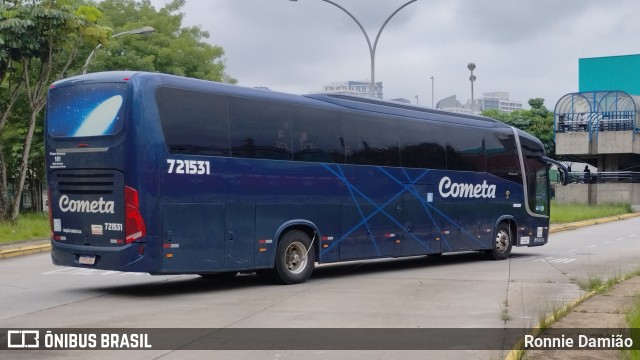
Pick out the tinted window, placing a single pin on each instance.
(465, 149)
(371, 140)
(502, 155)
(537, 176)
(316, 135)
(86, 110)
(260, 129)
(422, 144)
(193, 122)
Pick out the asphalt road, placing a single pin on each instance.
(452, 291)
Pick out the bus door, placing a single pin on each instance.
(193, 237)
(418, 219)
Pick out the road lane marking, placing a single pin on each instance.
(551, 259)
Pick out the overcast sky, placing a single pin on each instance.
(529, 48)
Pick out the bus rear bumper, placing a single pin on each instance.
(122, 258)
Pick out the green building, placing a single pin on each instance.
(619, 73)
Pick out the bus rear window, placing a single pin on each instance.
(86, 110)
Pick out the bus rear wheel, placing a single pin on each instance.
(295, 258)
(502, 244)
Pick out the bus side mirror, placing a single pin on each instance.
(564, 172)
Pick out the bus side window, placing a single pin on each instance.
(421, 145)
(316, 135)
(193, 122)
(371, 140)
(260, 129)
(502, 155)
(465, 149)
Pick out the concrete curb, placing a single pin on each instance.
(26, 250)
(580, 224)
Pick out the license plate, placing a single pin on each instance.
(87, 259)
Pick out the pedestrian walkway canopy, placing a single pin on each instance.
(595, 111)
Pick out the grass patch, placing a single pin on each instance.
(28, 226)
(565, 213)
(597, 283)
(633, 321)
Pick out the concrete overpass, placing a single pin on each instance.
(601, 128)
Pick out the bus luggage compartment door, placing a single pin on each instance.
(193, 237)
(418, 217)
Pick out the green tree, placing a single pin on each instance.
(171, 49)
(538, 121)
(40, 43)
(45, 40)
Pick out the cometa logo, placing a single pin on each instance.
(86, 206)
(457, 190)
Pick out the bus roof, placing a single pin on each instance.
(326, 100)
(407, 110)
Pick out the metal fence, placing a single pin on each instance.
(604, 177)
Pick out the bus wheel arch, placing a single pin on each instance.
(504, 239)
(296, 251)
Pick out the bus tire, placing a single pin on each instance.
(502, 243)
(295, 258)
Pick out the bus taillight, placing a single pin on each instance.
(49, 212)
(134, 226)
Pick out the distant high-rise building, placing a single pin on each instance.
(451, 103)
(362, 88)
(499, 100)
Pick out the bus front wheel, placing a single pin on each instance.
(295, 258)
(502, 244)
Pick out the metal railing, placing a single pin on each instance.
(604, 177)
(594, 122)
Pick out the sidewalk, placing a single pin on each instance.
(602, 311)
(591, 311)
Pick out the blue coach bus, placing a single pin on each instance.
(162, 174)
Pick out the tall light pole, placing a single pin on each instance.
(372, 49)
(432, 91)
(140, 31)
(472, 78)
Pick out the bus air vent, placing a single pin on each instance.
(86, 183)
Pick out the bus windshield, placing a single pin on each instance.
(86, 110)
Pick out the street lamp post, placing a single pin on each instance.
(472, 78)
(372, 49)
(140, 31)
(432, 91)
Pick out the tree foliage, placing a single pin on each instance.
(39, 43)
(537, 121)
(170, 49)
(44, 40)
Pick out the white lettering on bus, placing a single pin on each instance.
(455, 190)
(86, 206)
